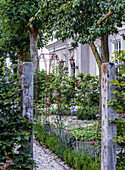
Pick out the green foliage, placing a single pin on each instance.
(87, 96)
(19, 18)
(40, 86)
(88, 90)
(119, 104)
(87, 112)
(66, 91)
(76, 160)
(76, 15)
(89, 133)
(14, 129)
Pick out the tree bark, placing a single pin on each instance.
(99, 63)
(21, 58)
(105, 49)
(104, 17)
(104, 58)
(34, 46)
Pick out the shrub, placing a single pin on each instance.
(87, 90)
(87, 112)
(14, 129)
(119, 104)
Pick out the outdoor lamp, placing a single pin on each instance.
(71, 61)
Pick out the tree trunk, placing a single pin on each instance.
(34, 56)
(104, 58)
(99, 63)
(34, 46)
(21, 58)
(105, 49)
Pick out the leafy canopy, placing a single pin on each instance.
(83, 20)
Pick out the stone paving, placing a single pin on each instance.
(46, 160)
(71, 122)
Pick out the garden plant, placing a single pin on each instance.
(15, 151)
(119, 104)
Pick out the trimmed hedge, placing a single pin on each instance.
(80, 161)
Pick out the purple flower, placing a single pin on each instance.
(57, 117)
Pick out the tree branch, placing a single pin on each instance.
(104, 17)
(96, 54)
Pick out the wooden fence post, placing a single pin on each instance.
(27, 94)
(109, 130)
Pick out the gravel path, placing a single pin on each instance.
(46, 160)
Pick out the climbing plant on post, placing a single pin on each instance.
(15, 151)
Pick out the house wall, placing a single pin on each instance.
(83, 55)
(85, 58)
(92, 63)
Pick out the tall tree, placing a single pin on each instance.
(86, 20)
(27, 24)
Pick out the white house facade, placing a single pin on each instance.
(83, 56)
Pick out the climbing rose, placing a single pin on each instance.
(69, 92)
(76, 84)
(93, 85)
(92, 143)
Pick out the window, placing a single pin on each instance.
(117, 47)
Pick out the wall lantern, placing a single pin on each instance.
(71, 61)
(76, 67)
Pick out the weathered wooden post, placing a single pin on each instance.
(109, 130)
(27, 94)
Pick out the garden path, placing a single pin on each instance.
(71, 122)
(46, 160)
